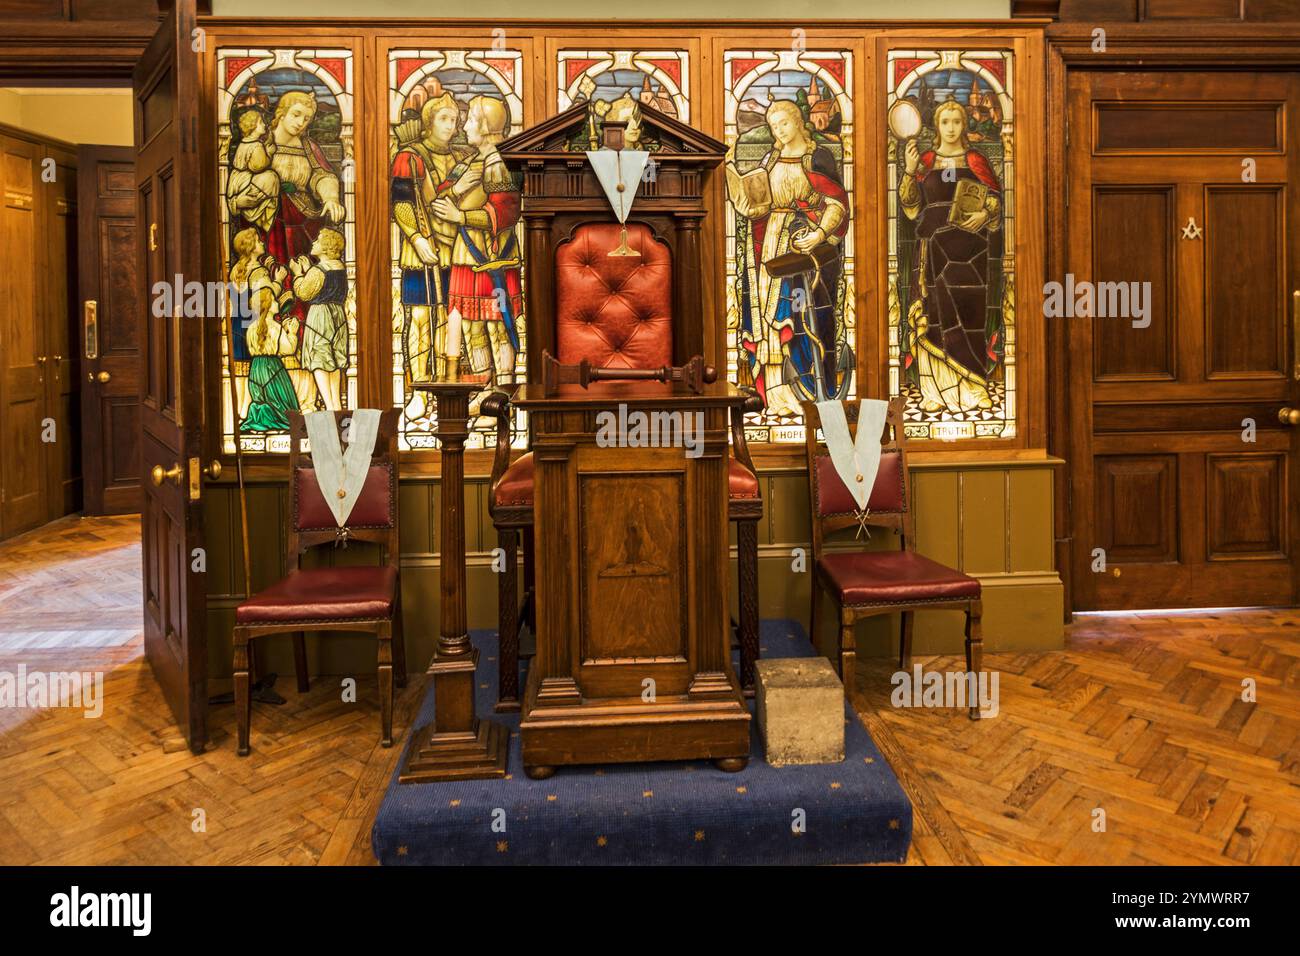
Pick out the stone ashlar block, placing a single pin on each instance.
(800, 703)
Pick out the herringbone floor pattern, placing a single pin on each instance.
(73, 583)
(1140, 717)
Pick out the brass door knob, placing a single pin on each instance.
(213, 470)
(102, 378)
(1289, 416)
(172, 474)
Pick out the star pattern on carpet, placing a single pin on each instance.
(687, 788)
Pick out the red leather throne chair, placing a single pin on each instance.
(865, 583)
(365, 597)
(631, 312)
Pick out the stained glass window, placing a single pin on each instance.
(788, 120)
(288, 238)
(602, 78)
(951, 235)
(457, 264)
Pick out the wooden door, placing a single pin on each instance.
(1183, 477)
(23, 492)
(62, 460)
(169, 187)
(110, 329)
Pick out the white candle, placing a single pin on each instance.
(453, 338)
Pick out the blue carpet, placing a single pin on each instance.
(660, 813)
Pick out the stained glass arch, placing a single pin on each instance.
(791, 264)
(286, 174)
(951, 232)
(456, 265)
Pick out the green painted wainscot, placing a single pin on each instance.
(990, 517)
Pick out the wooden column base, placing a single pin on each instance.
(476, 751)
(457, 755)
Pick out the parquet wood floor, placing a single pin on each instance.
(1140, 716)
(72, 583)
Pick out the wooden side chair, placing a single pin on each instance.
(364, 598)
(867, 583)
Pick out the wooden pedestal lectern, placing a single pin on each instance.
(633, 655)
(457, 745)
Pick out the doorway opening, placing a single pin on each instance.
(70, 563)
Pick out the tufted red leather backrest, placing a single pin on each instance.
(888, 496)
(613, 311)
(373, 509)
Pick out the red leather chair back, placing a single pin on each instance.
(613, 311)
(888, 494)
(373, 517)
(374, 507)
(833, 507)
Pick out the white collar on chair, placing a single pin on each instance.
(342, 474)
(856, 459)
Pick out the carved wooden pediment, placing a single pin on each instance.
(551, 157)
(583, 126)
(561, 194)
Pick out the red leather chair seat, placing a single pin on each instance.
(515, 489)
(741, 482)
(894, 577)
(324, 594)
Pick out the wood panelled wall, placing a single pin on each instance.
(985, 506)
(1173, 11)
(61, 42)
(1200, 50)
(991, 518)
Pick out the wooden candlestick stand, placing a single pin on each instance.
(457, 745)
